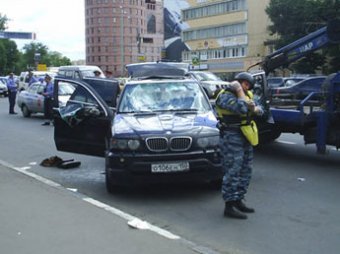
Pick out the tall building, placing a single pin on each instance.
(119, 32)
(225, 36)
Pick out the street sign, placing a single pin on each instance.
(41, 67)
(17, 35)
(195, 61)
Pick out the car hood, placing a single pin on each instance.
(163, 123)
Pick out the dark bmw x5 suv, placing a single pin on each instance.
(162, 130)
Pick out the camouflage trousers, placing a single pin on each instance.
(237, 156)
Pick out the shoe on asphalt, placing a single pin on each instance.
(229, 211)
(13, 113)
(239, 205)
(46, 123)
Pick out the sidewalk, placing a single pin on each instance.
(38, 218)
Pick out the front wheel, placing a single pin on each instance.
(110, 186)
(25, 111)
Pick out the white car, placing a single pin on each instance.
(210, 83)
(31, 100)
(3, 86)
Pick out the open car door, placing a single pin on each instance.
(82, 119)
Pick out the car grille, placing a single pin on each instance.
(162, 144)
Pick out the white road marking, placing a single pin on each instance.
(128, 217)
(92, 201)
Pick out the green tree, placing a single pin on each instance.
(9, 56)
(293, 19)
(3, 22)
(54, 58)
(30, 52)
(50, 58)
(3, 59)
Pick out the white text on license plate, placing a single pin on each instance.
(170, 167)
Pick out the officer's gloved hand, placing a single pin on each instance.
(235, 86)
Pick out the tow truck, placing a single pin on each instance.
(318, 120)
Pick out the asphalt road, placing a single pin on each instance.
(294, 190)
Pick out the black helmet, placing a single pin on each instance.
(246, 76)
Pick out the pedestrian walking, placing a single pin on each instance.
(48, 100)
(12, 93)
(235, 109)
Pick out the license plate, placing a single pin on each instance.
(170, 167)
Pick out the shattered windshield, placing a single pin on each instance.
(160, 97)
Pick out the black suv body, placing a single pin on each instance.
(162, 130)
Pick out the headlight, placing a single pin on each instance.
(124, 144)
(208, 141)
(133, 144)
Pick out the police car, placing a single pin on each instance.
(163, 129)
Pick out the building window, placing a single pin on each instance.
(215, 32)
(214, 9)
(151, 24)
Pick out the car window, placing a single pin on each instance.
(33, 88)
(69, 74)
(87, 73)
(80, 94)
(169, 96)
(77, 75)
(61, 73)
(65, 88)
(274, 82)
(40, 89)
(289, 82)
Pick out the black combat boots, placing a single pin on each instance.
(239, 205)
(229, 211)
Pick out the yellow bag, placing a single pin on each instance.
(251, 133)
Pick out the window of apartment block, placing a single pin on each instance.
(215, 32)
(214, 9)
(151, 24)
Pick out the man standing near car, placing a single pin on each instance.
(235, 107)
(48, 100)
(12, 93)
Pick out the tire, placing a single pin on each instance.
(216, 184)
(110, 186)
(25, 111)
(269, 137)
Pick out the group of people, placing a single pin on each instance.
(48, 94)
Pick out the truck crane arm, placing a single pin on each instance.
(300, 48)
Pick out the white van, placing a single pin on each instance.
(79, 71)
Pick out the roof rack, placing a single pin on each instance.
(154, 70)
